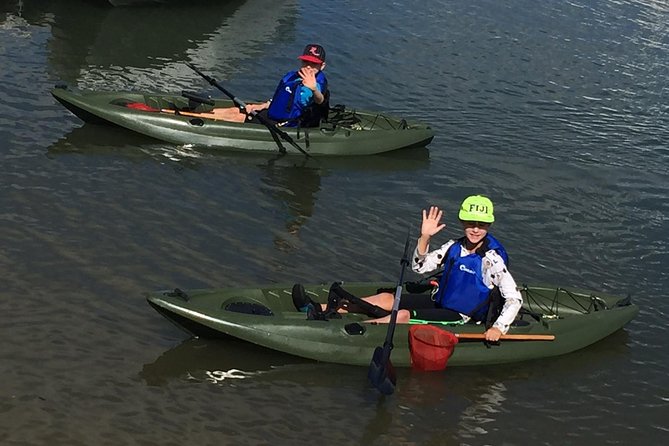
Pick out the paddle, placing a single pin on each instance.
(381, 372)
(273, 129)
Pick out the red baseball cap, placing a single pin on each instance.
(313, 53)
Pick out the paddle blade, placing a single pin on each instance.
(375, 367)
(430, 347)
(381, 372)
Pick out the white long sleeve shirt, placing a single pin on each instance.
(495, 273)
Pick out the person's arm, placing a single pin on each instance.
(423, 244)
(308, 76)
(513, 300)
(430, 261)
(319, 97)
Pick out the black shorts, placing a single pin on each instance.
(422, 307)
(250, 118)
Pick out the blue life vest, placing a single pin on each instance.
(461, 287)
(292, 100)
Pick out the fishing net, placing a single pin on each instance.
(430, 347)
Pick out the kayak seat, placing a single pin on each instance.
(316, 114)
(249, 308)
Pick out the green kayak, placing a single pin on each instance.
(267, 317)
(185, 120)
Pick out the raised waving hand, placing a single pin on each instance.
(432, 221)
(431, 225)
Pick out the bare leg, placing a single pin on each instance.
(232, 114)
(382, 300)
(403, 317)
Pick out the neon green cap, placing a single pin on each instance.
(477, 208)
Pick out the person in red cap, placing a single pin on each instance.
(300, 99)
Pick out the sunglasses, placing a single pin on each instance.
(471, 224)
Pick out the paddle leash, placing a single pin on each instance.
(381, 372)
(273, 129)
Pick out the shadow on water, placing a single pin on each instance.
(211, 34)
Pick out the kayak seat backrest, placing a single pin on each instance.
(339, 116)
(248, 308)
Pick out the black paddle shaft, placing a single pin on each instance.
(381, 372)
(273, 129)
(388, 343)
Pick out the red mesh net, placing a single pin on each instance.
(430, 347)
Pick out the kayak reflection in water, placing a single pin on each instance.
(476, 285)
(300, 99)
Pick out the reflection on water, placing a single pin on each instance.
(101, 140)
(146, 47)
(296, 186)
(472, 402)
(474, 418)
(296, 182)
(11, 19)
(293, 180)
(214, 361)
